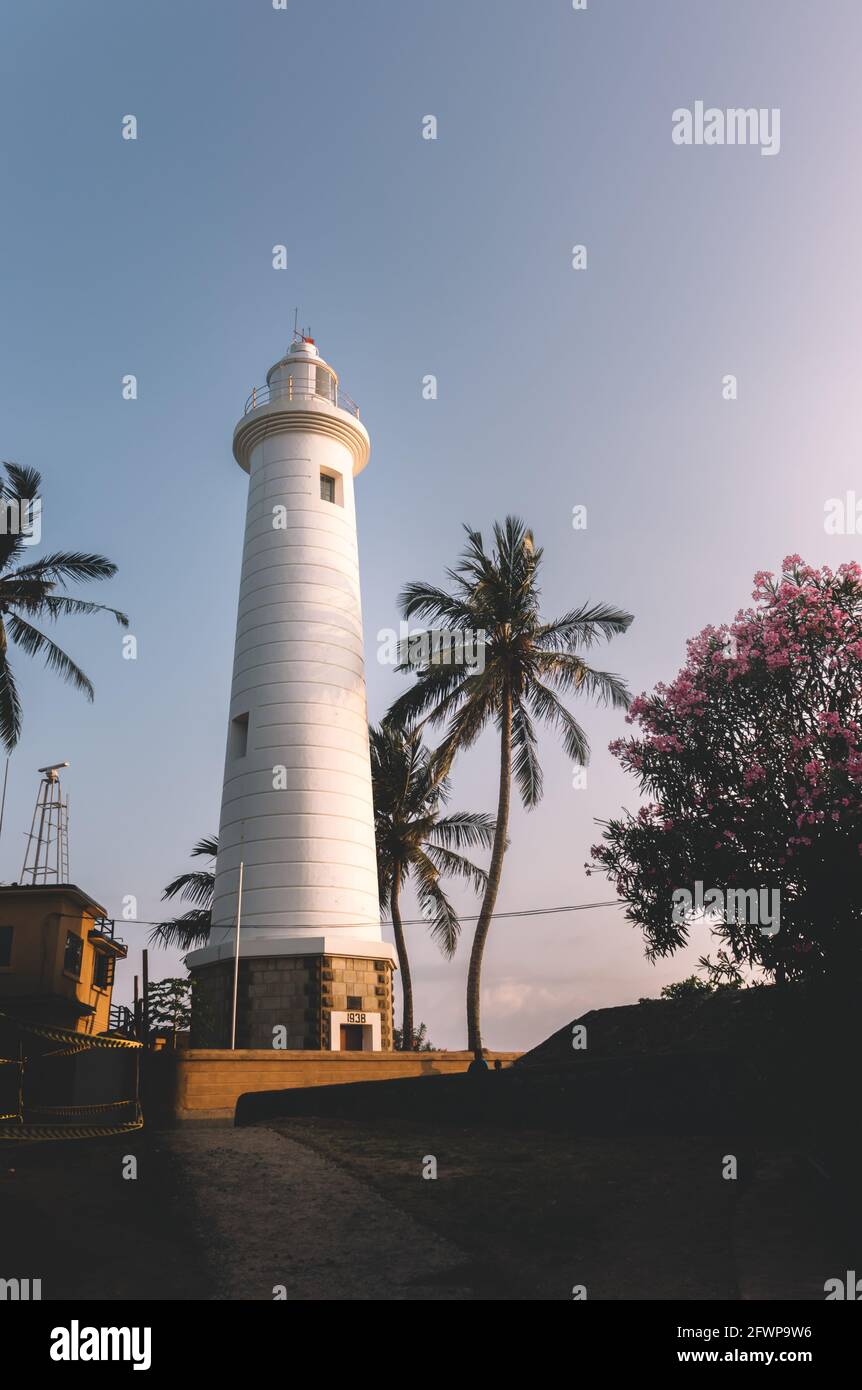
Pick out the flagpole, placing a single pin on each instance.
(236, 959)
(3, 803)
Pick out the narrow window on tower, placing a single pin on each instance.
(327, 487)
(239, 736)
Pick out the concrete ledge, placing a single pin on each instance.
(204, 1084)
(308, 945)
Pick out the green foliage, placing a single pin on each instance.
(420, 1039)
(36, 591)
(723, 972)
(192, 928)
(170, 1004)
(750, 764)
(687, 989)
(413, 835)
(527, 662)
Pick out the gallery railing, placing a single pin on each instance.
(293, 390)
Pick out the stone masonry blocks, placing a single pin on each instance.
(297, 993)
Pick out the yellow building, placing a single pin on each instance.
(57, 957)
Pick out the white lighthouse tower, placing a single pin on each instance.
(296, 802)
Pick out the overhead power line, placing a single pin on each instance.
(521, 912)
(407, 921)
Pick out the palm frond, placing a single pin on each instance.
(464, 830)
(571, 673)
(35, 643)
(525, 761)
(442, 917)
(435, 693)
(194, 887)
(467, 724)
(547, 706)
(446, 861)
(21, 485)
(432, 604)
(186, 932)
(207, 846)
(61, 605)
(10, 701)
(582, 627)
(61, 566)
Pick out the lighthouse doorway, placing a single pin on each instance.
(352, 1039)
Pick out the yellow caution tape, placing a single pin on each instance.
(34, 1132)
(71, 1043)
(76, 1109)
(65, 1051)
(68, 1035)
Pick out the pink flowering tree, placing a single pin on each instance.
(751, 761)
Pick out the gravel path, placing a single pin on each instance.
(270, 1212)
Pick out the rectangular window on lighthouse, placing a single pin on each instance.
(327, 488)
(239, 736)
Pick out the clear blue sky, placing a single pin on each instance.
(410, 257)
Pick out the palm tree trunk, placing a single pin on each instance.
(404, 967)
(474, 1032)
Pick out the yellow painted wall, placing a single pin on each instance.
(40, 920)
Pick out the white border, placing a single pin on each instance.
(339, 1016)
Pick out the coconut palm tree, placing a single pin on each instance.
(35, 591)
(524, 663)
(193, 927)
(415, 841)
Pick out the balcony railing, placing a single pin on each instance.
(106, 929)
(121, 1020)
(290, 390)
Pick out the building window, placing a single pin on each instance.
(5, 947)
(103, 970)
(354, 1001)
(323, 384)
(327, 488)
(73, 954)
(239, 736)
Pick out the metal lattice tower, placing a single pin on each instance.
(46, 858)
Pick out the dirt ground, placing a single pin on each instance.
(70, 1218)
(331, 1210)
(638, 1218)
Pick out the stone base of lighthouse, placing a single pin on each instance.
(325, 999)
